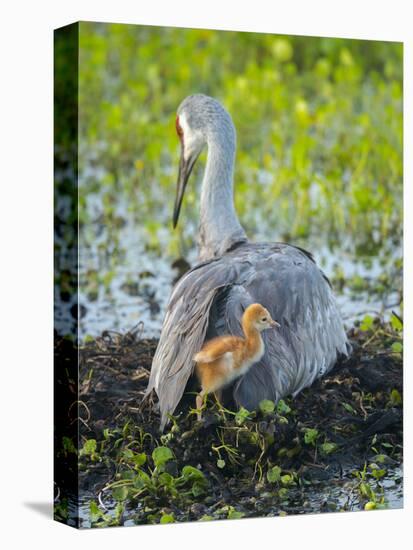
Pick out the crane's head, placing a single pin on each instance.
(199, 120)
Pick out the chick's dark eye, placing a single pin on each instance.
(264, 319)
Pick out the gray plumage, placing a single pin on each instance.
(209, 300)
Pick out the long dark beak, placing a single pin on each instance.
(185, 169)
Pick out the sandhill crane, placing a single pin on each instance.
(233, 273)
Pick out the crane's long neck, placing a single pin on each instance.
(219, 226)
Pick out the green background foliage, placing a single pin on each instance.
(319, 126)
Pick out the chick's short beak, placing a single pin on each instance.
(275, 324)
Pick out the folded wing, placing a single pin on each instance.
(209, 301)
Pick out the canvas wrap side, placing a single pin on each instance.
(66, 245)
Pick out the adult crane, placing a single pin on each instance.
(233, 272)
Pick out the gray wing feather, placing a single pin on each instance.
(311, 335)
(184, 329)
(210, 299)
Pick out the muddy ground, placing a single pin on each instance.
(336, 446)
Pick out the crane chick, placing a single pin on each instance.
(225, 358)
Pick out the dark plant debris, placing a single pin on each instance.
(336, 446)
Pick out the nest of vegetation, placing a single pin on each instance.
(330, 448)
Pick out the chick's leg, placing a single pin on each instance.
(199, 403)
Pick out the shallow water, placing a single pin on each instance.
(121, 286)
(337, 494)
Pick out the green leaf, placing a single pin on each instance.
(365, 490)
(138, 483)
(235, 514)
(119, 509)
(287, 479)
(144, 477)
(167, 518)
(367, 323)
(282, 49)
(328, 447)
(395, 397)
(397, 347)
(68, 445)
(294, 451)
(198, 488)
(160, 455)
(93, 507)
(139, 459)
(241, 416)
(95, 512)
(221, 463)
(166, 479)
(89, 447)
(349, 408)
(120, 493)
(266, 406)
(192, 474)
(282, 407)
(396, 323)
(378, 473)
(274, 474)
(310, 436)
(128, 454)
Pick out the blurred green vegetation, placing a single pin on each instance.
(319, 125)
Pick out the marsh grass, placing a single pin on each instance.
(319, 125)
(337, 446)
